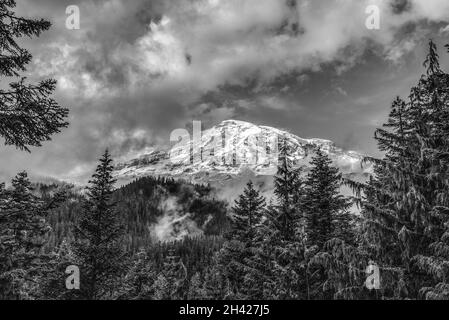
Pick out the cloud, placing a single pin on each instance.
(444, 30)
(197, 46)
(173, 225)
(139, 69)
(341, 91)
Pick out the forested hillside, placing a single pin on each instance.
(152, 210)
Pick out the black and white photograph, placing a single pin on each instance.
(204, 151)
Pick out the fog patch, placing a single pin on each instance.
(174, 224)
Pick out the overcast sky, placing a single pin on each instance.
(138, 69)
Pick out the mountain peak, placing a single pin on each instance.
(235, 122)
(239, 151)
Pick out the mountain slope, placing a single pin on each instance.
(242, 149)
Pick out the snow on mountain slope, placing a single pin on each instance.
(232, 149)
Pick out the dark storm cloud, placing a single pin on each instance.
(401, 6)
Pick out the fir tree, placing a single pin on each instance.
(432, 62)
(337, 271)
(259, 280)
(237, 251)
(231, 264)
(98, 248)
(215, 284)
(392, 137)
(288, 190)
(327, 226)
(28, 114)
(52, 285)
(325, 209)
(161, 288)
(23, 234)
(196, 289)
(276, 268)
(247, 215)
(138, 283)
(434, 164)
(171, 284)
(402, 220)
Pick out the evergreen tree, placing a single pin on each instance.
(196, 289)
(434, 158)
(161, 288)
(432, 62)
(325, 209)
(328, 229)
(276, 268)
(393, 136)
(23, 234)
(237, 251)
(337, 271)
(231, 263)
(171, 283)
(288, 190)
(247, 215)
(286, 223)
(138, 283)
(215, 284)
(259, 279)
(28, 115)
(98, 248)
(405, 202)
(52, 285)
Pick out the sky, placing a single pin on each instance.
(138, 69)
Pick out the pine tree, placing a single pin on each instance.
(230, 263)
(276, 268)
(98, 234)
(215, 284)
(403, 211)
(138, 283)
(172, 284)
(287, 225)
(432, 62)
(259, 279)
(288, 190)
(23, 234)
(325, 209)
(161, 288)
(337, 271)
(52, 285)
(392, 137)
(328, 229)
(196, 289)
(247, 215)
(435, 159)
(28, 115)
(233, 258)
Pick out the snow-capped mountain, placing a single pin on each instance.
(233, 149)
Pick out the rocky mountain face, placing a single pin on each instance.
(233, 152)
